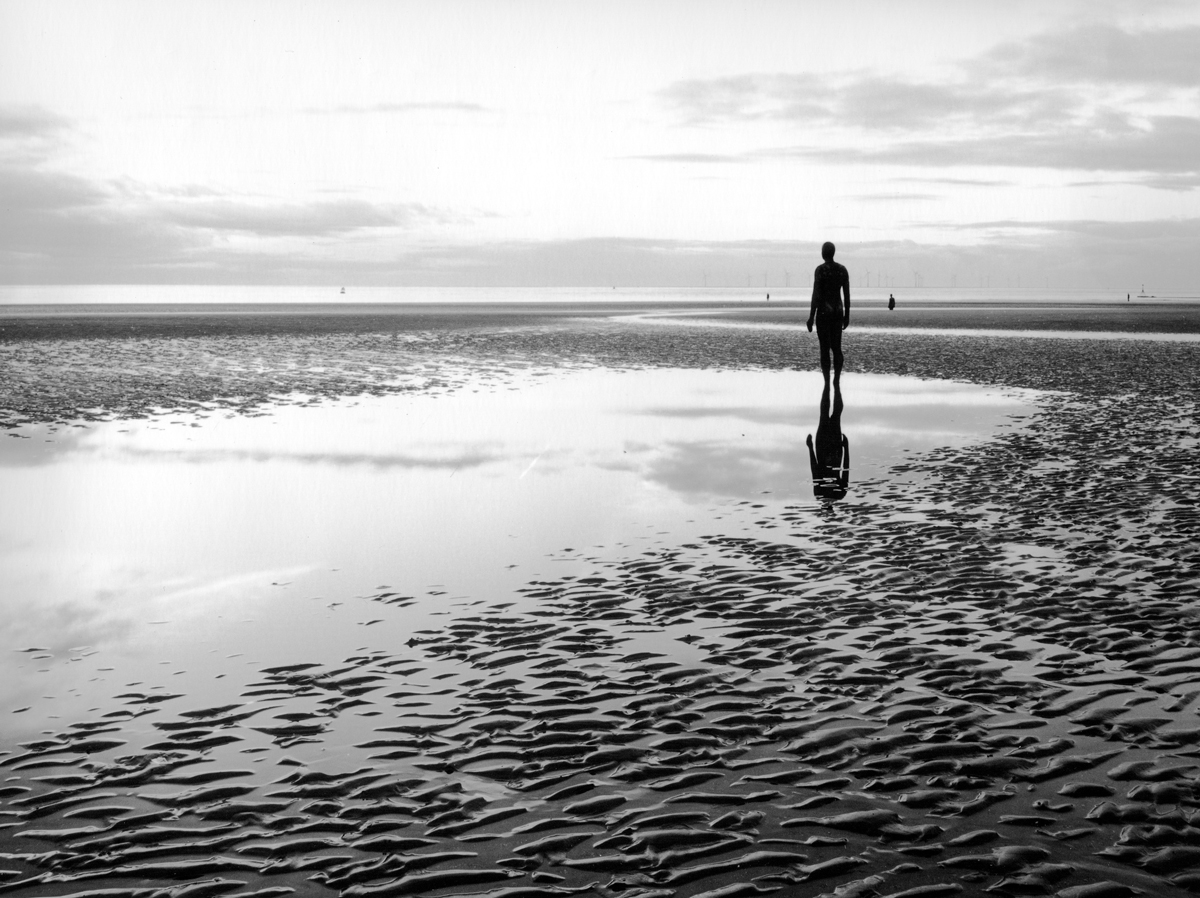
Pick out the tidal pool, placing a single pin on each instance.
(166, 553)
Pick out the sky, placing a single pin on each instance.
(655, 144)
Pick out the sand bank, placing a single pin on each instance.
(976, 672)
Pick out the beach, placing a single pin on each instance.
(537, 600)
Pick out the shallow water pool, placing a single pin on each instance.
(161, 553)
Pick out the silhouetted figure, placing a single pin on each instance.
(829, 457)
(831, 314)
(891, 302)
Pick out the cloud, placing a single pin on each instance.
(890, 104)
(717, 468)
(1096, 98)
(24, 122)
(25, 190)
(865, 101)
(1164, 145)
(1085, 253)
(955, 182)
(892, 197)
(375, 108)
(1096, 254)
(1031, 81)
(1115, 256)
(30, 134)
(795, 97)
(60, 225)
(1180, 181)
(685, 158)
(1176, 181)
(57, 227)
(1104, 53)
(605, 261)
(314, 219)
(1177, 230)
(451, 461)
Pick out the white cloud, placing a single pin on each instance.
(581, 144)
(400, 108)
(1165, 145)
(60, 227)
(29, 122)
(1069, 99)
(1103, 52)
(322, 218)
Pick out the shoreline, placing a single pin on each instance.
(118, 369)
(82, 322)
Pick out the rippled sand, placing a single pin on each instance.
(977, 673)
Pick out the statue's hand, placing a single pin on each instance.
(810, 325)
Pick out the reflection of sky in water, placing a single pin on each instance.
(157, 543)
(691, 318)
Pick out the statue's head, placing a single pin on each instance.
(827, 251)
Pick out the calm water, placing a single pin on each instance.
(177, 294)
(167, 553)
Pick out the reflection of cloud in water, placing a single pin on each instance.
(220, 589)
(122, 523)
(727, 469)
(917, 415)
(121, 601)
(60, 626)
(212, 456)
(757, 414)
(38, 445)
(133, 623)
(893, 391)
(884, 416)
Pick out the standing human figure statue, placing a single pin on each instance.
(891, 302)
(830, 312)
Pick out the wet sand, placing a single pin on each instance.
(976, 674)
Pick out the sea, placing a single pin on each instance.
(194, 294)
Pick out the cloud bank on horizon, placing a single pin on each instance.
(536, 143)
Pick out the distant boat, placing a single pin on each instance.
(343, 289)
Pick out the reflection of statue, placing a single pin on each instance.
(830, 456)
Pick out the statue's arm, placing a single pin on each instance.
(812, 306)
(846, 290)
